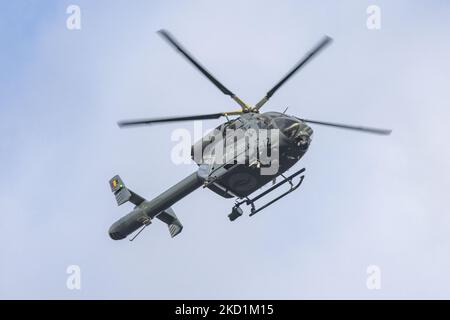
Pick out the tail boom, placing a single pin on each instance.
(145, 210)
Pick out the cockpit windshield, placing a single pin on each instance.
(288, 126)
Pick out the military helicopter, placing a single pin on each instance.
(223, 174)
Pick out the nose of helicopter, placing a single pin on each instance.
(300, 133)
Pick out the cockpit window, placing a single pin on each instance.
(282, 123)
(292, 128)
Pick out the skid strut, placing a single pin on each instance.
(237, 211)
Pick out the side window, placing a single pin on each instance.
(263, 122)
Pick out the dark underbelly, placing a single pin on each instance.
(244, 180)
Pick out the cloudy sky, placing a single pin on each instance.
(366, 200)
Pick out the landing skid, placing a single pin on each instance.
(237, 211)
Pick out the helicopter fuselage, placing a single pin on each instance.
(241, 178)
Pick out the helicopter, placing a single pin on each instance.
(222, 173)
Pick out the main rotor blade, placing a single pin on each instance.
(351, 127)
(138, 122)
(322, 44)
(167, 36)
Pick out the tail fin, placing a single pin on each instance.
(142, 214)
(122, 193)
(169, 217)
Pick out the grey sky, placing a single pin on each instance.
(365, 199)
